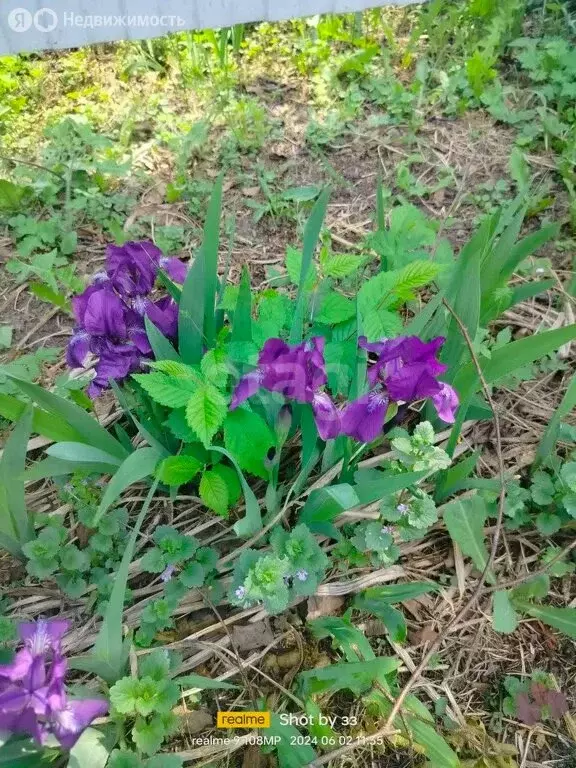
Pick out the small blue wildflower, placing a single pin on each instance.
(387, 529)
(240, 592)
(301, 574)
(403, 509)
(167, 573)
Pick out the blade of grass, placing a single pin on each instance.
(161, 347)
(43, 423)
(550, 436)
(311, 234)
(84, 423)
(191, 313)
(12, 466)
(252, 521)
(136, 467)
(210, 248)
(510, 357)
(242, 325)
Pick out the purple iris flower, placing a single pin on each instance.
(132, 267)
(174, 268)
(116, 362)
(405, 370)
(110, 313)
(33, 697)
(298, 372)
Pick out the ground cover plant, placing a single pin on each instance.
(306, 445)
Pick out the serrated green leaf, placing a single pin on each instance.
(335, 308)
(294, 267)
(339, 265)
(148, 735)
(214, 492)
(205, 411)
(177, 470)
(248, 438)
(169, 391)
(382, 323)
(465, 520)
(230, 477)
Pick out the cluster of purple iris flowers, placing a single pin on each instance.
(110, 312)
(33, 699)
(110, 325)
(401, 370)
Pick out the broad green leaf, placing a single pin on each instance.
(248, 438)
(356, 677)
(210, 248)
(252, 521)
(205, 411)
(465, 520)
(91, 750)
(214, 492)
(230, 477)
(167, 390)
(200, 683)
(177, 470)
(311, 235)
(380, 324)
(335, 308)
(161, 347)
(84, 423)
(78, 453)
(504, 617)
(325, 504)
(510, 357)
(191, 313)
(242, 324)
(291, 751)
(46, 424)
(435, 747)
(563, 619)
(390, 594)
(53, 467)
(139, 465)
(374, 484)
(23, 753)
(391, 617)
(353, 643)
(11, 195)
(450, 478)
(17, 525)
